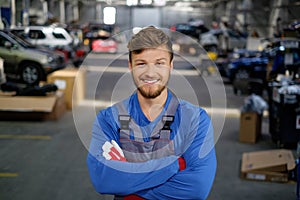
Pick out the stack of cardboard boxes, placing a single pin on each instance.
(275, 165)
(270, 165)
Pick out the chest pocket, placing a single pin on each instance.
(136, 148)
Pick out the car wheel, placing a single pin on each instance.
(235, 90)
(31, 74)
(242, 74)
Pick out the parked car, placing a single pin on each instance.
(53, 37)
(190, 29)
(209, 41)
(250, 67)
(105, 45)
(96, 31)
(26, 62)
(45, 35)
(217, 38)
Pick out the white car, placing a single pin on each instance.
(45, 36)
(217, 38)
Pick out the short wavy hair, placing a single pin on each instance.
(147, 38)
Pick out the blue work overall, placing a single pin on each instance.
(136, 148)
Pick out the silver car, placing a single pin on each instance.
(25, 62)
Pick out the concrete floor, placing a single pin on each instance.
(53, 167)
(228, 185)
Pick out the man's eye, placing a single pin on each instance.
(160, 64)
(140, 64)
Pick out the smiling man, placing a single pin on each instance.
(152, 145)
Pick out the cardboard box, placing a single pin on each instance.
(72, 82)
(50, 107)
(59, 108)
(270, 165)
(250, 127)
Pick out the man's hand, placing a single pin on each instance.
(112, 151)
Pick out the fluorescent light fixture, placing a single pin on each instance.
(109, 15)
(146, 2)
(131, 2)
(159, 2)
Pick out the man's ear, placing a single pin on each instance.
(129, 65)
(171, 64)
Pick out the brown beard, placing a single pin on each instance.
(151, 95)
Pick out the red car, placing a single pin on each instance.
(105, 46)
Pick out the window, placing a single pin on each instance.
(36, 34)
(58, 35)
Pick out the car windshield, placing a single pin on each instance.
(104, 27)
(21, 41)
(185, 27)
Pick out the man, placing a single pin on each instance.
(152, 145)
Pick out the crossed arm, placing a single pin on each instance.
(154, 179)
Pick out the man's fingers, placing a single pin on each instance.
(117, 147)
(112, 151)
(107, 146)
(106, 155)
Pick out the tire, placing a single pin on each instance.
(242, 74)
(31, 74)
(235, 90)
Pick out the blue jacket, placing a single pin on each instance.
(192, 134)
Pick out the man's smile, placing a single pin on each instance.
(147, 81)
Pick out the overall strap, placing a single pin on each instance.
(163, 127)
(127, 124)
(161, 130)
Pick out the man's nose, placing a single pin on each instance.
(151, 69)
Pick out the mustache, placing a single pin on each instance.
(151, 94)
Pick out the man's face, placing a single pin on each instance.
(151, 71)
